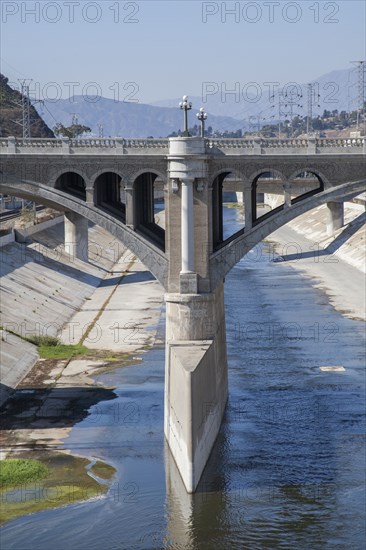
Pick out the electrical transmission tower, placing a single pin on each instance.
(360, 65)
(311, 101)
(287, 101)
(25, 103)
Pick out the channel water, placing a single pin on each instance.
(287, 470)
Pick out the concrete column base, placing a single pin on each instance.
(196, 385)
(76, 236)
(335, 217)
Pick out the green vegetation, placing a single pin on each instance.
(50, 347)
(11, 111)
(15, 471)
(62, 351)
(45, 341)
(102, 470)
(73, 131)
(66, 482)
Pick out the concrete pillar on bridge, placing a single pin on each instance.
(335, 216)
(287, 193)
(130, 205)
(196, 361)
(89, 198)
(76, 236)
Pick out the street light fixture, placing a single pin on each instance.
(202, 116)
(186, 106)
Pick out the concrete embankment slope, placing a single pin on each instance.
(41, 289)
(347, 243)
(335, 264)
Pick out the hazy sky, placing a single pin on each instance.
(150, 50)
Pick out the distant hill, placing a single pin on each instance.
(11, 111)
(125, 119)
(337, 90)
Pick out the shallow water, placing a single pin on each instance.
(287, 470)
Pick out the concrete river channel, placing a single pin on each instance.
(287, 470)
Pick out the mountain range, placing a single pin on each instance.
(252, 103)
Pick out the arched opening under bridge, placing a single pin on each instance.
(227, 208)
(72, 183)
(150, 208)
(109, 195)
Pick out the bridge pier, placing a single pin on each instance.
(196, 386)
(335, 217)
(76, 236)
(196, 362)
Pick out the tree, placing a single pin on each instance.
(73, 131)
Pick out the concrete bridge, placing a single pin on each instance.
(117, 183)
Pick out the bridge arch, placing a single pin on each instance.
(72, 182)
(256, 179)
(109, 194)
(223, 260)
(221, 234)
(149, 254)
(316, 184)
(313, 170)
(149, 219)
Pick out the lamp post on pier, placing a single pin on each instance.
(186, 106)
(202, 116)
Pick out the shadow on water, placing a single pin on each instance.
(42, 408)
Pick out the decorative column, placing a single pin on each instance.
(130, 205)
(187, 226)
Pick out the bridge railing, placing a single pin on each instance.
(151, 146)
(87, 146)
(272, 146)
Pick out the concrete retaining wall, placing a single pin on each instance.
(22, 235)
(7, 239)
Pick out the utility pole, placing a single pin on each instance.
(360, 65)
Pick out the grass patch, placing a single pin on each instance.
(65, 483)
(45, 341)
(102, 470)
(16, 471)
(62, 351)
